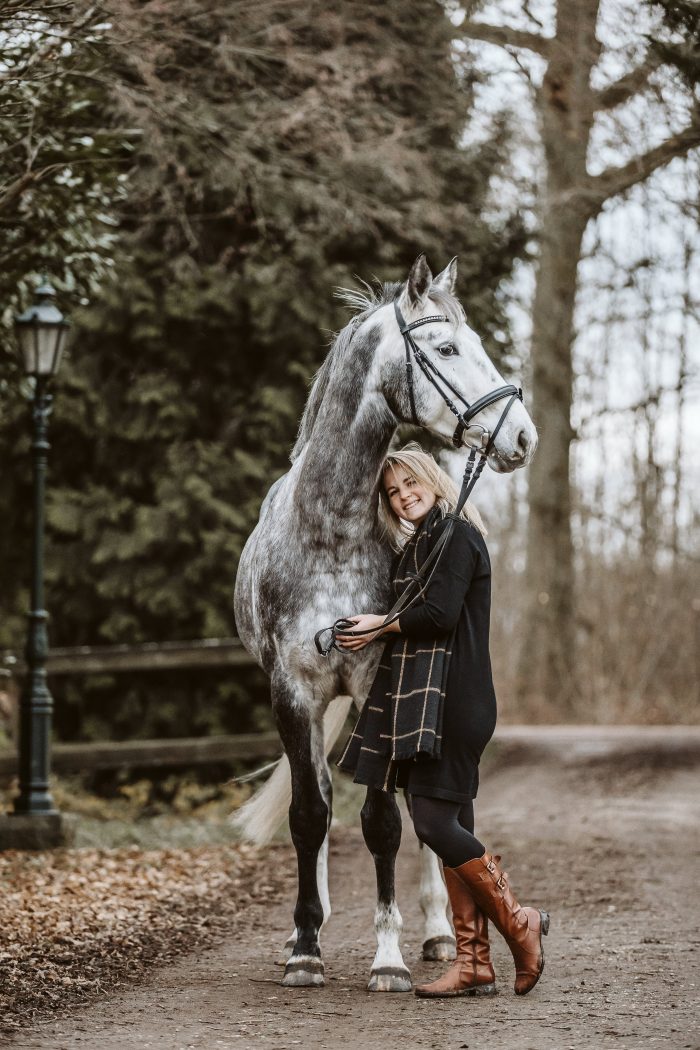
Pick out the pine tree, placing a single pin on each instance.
(283, 150)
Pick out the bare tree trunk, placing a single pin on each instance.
(546, 666)
(567, 104)
(680, 399)
(547, 661)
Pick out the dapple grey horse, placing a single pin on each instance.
(317, 554)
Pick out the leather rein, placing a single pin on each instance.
(422, 578)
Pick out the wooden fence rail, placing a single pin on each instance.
(151, 656)
(566, 744)
(154, 754)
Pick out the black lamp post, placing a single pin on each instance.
(41, 333)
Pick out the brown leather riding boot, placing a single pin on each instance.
(471, 973)
(521, 927)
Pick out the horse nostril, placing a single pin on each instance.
(523, 442)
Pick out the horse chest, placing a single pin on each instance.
(297, 603)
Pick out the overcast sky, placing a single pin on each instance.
(641, 260)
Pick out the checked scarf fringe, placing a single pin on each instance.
(402, 716)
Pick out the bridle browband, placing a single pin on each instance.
(434, 376)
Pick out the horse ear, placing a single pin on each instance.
(447, 280)
(419, 280)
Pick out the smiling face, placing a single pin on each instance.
(408, 498)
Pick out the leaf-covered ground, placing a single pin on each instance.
(608, 844)
(74, 923)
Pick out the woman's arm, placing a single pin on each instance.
(438, 611)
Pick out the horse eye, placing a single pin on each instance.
(448, 350)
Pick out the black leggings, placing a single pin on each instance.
(447, 827)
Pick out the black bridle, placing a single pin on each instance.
(433, 374)
(422, 578)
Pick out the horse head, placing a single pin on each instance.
(455, 351)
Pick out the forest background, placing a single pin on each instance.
(197, 177)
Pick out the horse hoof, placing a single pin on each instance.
(440, 949)
(303, 971)
(390, 979)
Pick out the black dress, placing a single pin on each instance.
(459, 595)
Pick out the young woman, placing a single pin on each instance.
(432, 710)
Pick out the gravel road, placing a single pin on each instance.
(600, 829)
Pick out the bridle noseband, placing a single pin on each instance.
(433, 374)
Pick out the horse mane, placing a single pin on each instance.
(366, 301)
(320, 385)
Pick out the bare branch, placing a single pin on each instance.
(628, 85)
(616, 180)
(533, 18)
(507, 36)
(651, 400)
(9, 194)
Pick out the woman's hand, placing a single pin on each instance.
(366, 622)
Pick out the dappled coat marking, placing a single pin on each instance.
(317, 554)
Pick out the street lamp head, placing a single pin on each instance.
(41, 332)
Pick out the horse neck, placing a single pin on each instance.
(338, 482)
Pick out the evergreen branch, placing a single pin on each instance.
(616, 180)
(16, 189)
(54, 39)
(507, 36)
(627, 86)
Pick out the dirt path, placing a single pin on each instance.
(609, 843)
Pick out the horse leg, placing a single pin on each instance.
(381, 827)
(309, 815)
(324, 895)
(321, 867)
(438, 939)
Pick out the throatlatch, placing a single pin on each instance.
(432, 373)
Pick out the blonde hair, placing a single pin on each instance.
(421, 466)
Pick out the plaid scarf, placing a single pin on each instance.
(402, 716)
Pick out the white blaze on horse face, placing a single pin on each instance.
(476, 375)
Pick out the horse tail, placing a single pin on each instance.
(259, 818)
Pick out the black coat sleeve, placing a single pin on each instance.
(437, 613)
